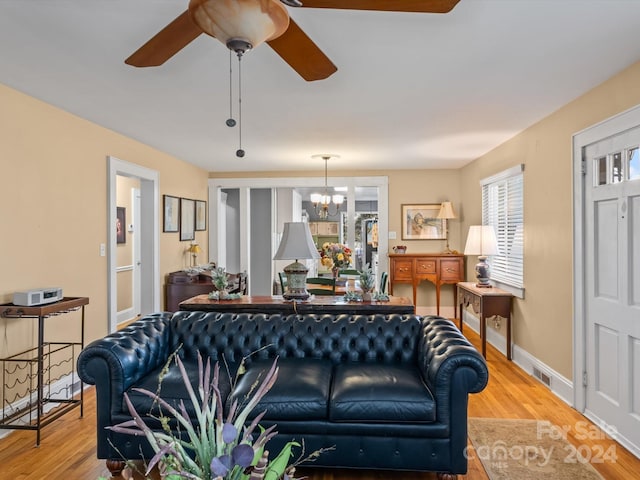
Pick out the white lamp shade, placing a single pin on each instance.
(251, 20)
(481, 241)
(296, 243)
(338, 199)
(316, 197)
(446, 211)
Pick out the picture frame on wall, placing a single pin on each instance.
(420, 222)
(121, 222)
(171, 206)
(187, 219)
(201, 215)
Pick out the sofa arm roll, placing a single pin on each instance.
(443, 350)
(128, 353)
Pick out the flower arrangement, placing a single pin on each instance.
(215, 448)
(335, 255)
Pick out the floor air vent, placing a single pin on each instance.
(543, 377)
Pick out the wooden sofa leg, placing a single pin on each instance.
(115, 468)
(447, 476)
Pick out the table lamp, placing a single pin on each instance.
(194, 250)
(296, 244)
(481, 241)
(446, 212)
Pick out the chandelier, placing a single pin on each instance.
(322, 202)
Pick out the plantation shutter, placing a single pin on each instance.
(503, 208)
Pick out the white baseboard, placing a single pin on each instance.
(559, 385)
(125, 315)
(62, 385)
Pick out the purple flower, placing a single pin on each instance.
(221, 465)
(242, 455)
(229, 433)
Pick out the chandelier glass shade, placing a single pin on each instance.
(322, 202)
(251, 21)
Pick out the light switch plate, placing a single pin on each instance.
(392, 235)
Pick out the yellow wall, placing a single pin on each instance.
(543, 321)
(53, 204)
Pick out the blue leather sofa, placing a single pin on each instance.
(388, 391)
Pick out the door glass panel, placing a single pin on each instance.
(634, 164)
(601, 171)
(616, 168)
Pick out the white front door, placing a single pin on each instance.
(612, 284)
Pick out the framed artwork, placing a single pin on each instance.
(121, 222)
(419, 222)
(171, 207)
(201, 215)
(187, 219)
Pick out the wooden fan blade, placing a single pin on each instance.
(166, 43)
(304, 56)
(424, 6)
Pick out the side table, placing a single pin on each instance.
(487, 303)
(39, 368)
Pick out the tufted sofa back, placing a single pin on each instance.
(339, 338)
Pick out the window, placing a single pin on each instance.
(503, 208)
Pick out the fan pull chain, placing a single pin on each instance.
(230, 121)
(240, 151)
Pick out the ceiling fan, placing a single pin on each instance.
(244, 24)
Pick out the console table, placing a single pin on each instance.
(47, 371)
(436, 268)
(487, 303)
(315, 304)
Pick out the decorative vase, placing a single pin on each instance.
(367, 296)
(334, 272)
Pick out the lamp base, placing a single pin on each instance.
(482, 273)
(296, 273)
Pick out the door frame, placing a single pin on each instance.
(148, 230)
(600, 131)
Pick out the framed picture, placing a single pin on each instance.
(201, 215)
(187, 219)
(419, 222)
(121, 225)
(171, 213)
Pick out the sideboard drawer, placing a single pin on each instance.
(402, 269)
(425, 266)
(450, 270)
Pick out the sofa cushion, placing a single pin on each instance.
(301, 391)
(173, 388)
(366, 392)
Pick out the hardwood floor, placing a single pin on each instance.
(67, 451)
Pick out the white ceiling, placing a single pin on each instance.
(411, 91)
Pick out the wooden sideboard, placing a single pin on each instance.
(413, 268)
(181, 286)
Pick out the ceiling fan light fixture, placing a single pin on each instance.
(249, 21)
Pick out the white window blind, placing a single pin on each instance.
(503, 208)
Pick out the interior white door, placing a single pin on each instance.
(137, 253)
(612, 284)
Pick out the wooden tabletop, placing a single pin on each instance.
(486, 291)
(315, 304)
